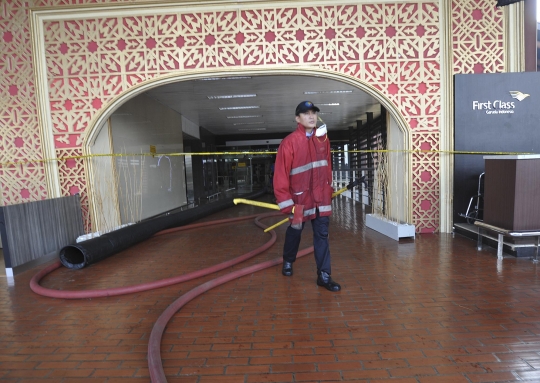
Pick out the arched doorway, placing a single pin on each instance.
(103, 200)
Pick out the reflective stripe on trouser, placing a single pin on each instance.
(320, 243)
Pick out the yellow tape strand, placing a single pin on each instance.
(88, 156)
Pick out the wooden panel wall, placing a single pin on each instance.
(34, 229)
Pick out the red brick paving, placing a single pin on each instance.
(423, 311)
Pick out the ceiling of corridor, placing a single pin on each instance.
(267, 105)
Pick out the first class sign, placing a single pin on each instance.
(499, 106)
(493, 112)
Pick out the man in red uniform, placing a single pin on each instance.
(303, 181)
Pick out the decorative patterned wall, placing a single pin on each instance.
(477, 37)
(393, 47)
(19, 129)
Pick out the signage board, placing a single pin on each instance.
(497, 113)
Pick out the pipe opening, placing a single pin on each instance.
(72, 257)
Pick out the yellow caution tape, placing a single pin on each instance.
(88, 156)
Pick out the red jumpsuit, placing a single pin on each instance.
(303, 174)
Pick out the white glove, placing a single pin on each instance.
(321, 131)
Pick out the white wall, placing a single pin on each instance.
(190, 128)
(148, 185)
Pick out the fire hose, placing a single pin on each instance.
(155, 365)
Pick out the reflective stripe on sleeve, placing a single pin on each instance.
(286, 203)
(325, 208)
(311, 165)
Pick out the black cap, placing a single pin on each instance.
(304, 106)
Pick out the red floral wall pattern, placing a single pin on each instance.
(477, 37)
(393, 47)
(19, 128)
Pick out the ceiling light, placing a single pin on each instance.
(248, 123)
(231, 96)
(244, 116)
(224, 78)
(238, 107)
(244, 129)
(331, 104)
(329, 91)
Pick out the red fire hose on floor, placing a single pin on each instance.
(154, 356)
(155, 366)
(70, 294)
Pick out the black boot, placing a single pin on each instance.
(287, 269)
(326, 281)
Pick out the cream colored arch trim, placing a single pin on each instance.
(447, 119)
(52, 176)
(142, 8)
(42, 14)
(38, 16)
(514, 37)
(101, 118)
(140, 88)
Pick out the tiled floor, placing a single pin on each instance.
(432, 310)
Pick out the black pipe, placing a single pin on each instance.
(79, 255)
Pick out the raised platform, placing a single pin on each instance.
(519, 247)
(391, 229)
